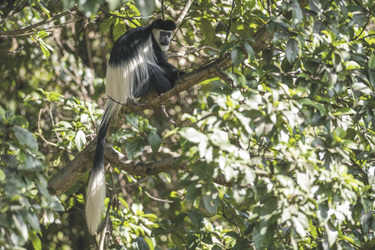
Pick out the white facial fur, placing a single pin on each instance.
(156, 33)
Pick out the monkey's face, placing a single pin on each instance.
(163, 38)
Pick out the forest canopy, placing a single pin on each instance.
(267, 141)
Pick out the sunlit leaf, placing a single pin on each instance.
(80, 139)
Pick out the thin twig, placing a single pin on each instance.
(52, 121)
(157, 199)
(184, 12)
(134, 183)
(11, 12)
(162, 9)
(23, 30)
(167, 115)
(13, 52)
(363, 29)
(230, 21)
(44, 139)
(190, 51)
(91, 64)
(126, 18)
(105, 228)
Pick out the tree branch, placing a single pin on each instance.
(21, 32)
(184, 12)
(10, 14)
(71, 173)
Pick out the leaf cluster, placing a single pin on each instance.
(24, 197)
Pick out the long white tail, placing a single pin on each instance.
(96, 190)
(95, 199)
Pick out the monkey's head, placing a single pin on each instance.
(162, 32)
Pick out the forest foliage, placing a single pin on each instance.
(277, 151)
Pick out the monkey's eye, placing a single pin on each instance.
(166, 33)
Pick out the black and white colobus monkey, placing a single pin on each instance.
(136, 66)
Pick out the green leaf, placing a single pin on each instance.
(237, 56)
(332, 233)
(158, 231)
(193, 193)
(196, 218)
(19, 120)
(145, 7)
(265, 228)
(105, 26)
(53, 96)
(296, 12)
(292, 50)
(37, 244)
(113, 4)
(67, 4)
(42, 34)
(361, 87)
(31, 163)
(45, 48)
(166, 176)
(25, 138)
(44, 8)
(309, 102)
(366, 220)
(371, 177)
(80, 140)
(371, 61)
(118, 30)
(219, 137)
(20, 225)
(123, 202)
(371, 74)
(241, 244)
(207, 29)
(134, 147)
(2, 176)
(352, 65)
(193, 135)
(286, 66)
(250, 51)
(179, 219)
(154, 140)
(211, 201)
(341, 133)
(63, 126)
(2, 115)
(141, 244)
(133, 120)
(33, 221)
(56, 205)
(344, 111)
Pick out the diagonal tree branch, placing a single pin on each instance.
(184, 12)
(71, 173)
(22, 32)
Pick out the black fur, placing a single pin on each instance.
(160, 77)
